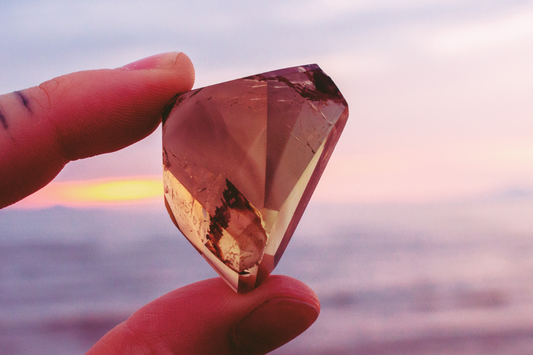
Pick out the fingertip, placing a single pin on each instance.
(286, 286)
(273, 324)
(120, 106)
(178, 62)
(288, 308)
(183, 64)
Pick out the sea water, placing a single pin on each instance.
(454, 278)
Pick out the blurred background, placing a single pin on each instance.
(420, 231)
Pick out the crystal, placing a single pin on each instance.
(241, 160)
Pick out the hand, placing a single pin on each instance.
(88, 113)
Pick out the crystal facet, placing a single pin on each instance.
(241, 160)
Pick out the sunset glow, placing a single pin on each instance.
(109, 192)
(121, 190)
(408, 175)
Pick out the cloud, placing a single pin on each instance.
(314, 11)
(474, 36)
(63, 19)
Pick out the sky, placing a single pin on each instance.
(439, 91)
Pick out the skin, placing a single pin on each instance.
(83, 114)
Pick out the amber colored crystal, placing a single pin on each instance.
(241, 160)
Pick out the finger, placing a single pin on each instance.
(80, 115)
(209, 318)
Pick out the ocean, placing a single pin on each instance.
(443, 278)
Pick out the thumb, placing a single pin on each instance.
(80, 115)
(209, 318)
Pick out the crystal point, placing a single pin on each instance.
(241, 160)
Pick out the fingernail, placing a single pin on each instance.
(158, 61)
(273, 324)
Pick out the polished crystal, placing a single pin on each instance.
(241, 160)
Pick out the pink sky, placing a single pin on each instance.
(439, 109)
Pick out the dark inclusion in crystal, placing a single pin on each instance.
(241, 160)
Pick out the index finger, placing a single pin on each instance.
(81, 115)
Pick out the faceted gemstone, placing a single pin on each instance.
(241, 160)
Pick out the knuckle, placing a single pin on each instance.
(50, 93)
(35, 100)
(46, 91)
(3, 119)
